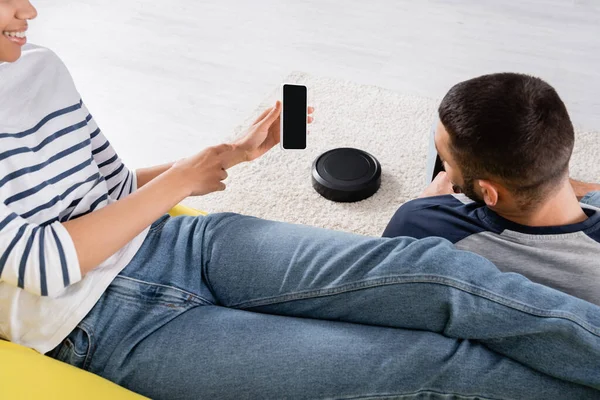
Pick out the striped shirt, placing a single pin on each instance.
(55, 165)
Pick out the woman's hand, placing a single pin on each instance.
(264, 133)
(204, 172)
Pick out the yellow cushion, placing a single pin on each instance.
(183, 210)
(27, 374)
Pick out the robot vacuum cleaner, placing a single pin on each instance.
(346, 175)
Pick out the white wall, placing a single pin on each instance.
(157, 74)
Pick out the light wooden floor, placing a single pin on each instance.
(159, 73)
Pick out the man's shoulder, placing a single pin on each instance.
(453, 217)
(593, 231)
(438, 205)
(450, 200)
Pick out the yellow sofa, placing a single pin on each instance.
(184, 210)
(27, 374)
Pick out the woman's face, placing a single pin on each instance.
(13, 25)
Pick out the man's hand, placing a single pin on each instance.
(439, 186)
(263, 135)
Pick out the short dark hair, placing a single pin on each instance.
(512, 127)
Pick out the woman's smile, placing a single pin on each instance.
(18, 36)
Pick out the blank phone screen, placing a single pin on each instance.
(294, 117)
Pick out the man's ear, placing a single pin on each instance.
(489, 192)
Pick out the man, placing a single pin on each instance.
(505, 141)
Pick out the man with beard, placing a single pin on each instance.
(505, 141)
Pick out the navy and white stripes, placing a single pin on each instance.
(60, 168)
(55, 165)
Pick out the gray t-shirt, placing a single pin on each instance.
(566, 258)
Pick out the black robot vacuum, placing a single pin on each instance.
(346, 175)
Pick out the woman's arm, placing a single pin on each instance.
(145, 175)
(102, 233)
(256, 144)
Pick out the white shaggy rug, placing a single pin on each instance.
(391, 126)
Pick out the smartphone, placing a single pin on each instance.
(294, 117)
(439, 167)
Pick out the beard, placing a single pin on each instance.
(468, 189)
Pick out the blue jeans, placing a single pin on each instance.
(592, 198)
(194, 316)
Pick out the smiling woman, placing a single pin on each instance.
(93, 273)
(13, 24)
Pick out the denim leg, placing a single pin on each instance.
(210, 352)
(221, 353)
(427, 284)
(155, 330)
(592, 198)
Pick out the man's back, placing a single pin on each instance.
(566, 258)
